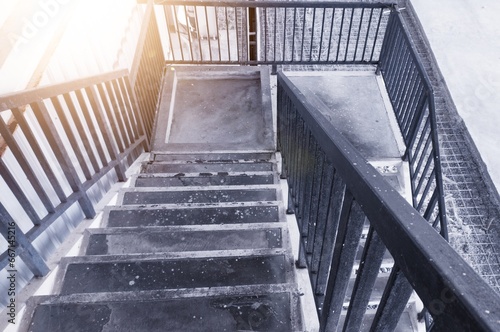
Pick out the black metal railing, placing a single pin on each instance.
(312, 32)
(69, 136)
(334, 192)
(146, 73)
(412, 99)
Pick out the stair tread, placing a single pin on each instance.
(150, 274)
(257, 312)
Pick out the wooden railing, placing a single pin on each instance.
(70, 135)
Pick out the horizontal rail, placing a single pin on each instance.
(326, 173)
(271, 4)
(25, 97)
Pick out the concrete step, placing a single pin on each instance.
(121, 241)
(215, 157)
(169, 215)
(252, 308)
(202, 179)
(95, 274)
(199, 167)
(179, 195)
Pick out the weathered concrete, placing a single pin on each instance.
(161, 167)
(153, 240)
(195, 215)
(204, 179)
(206, 109)
(261, 312)
(354, 103)
(130, 274)
(191, 195)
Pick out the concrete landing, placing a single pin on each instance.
(354, 103)
(213, 109)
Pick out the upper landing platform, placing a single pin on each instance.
(207, 109)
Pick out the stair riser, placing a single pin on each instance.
(219, 157)
(207, 167)
(157, 242)
(206, 180)
(198, 216)
(205, 196)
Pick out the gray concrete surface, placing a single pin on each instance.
(354, 104)
(207, 109)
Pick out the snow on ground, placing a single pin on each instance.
(463, 35)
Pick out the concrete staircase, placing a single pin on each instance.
(198, 243)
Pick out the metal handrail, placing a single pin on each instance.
(326, 167)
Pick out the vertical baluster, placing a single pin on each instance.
(321, 34)
(117, 107)
(293, 33)
(216, 9)
(323, 208)
(71, 137)
(238, 56)
(312, 34)
(99, 114)
(332, 224)
(19, 193)
(165, 9)
(303, 34)
(26, 167)
(376, 35)
(179, 33)
(331, 34)
(396, 295)
(371, 260)
(284, 35)
(139, 123)
(112, 122)
(349, 34)
(81, 132)
(62, 157)
(340, 34)
(125, 112)
(90, 124)
(359, 34)
(368, 29)
(40, 155)
(315, 196)
(227, 33)
(346, 244)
